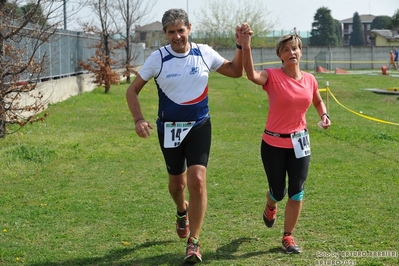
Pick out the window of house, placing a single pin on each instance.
(156, 43)
(143, 36)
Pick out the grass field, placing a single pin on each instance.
(82, 188)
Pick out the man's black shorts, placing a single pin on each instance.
(194, 149)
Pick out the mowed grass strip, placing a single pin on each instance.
(82, 188)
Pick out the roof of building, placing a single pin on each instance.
(364, 18)
(154, 26)
(387, 34)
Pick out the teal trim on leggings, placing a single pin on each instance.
(298, 196)
(272, 197)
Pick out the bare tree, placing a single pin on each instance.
(22, 32)
(218, 25)
(132, 13)
(101, 63)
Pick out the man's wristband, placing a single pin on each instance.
(325, 114)
(238, 46)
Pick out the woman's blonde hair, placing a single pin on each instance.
(295, 38)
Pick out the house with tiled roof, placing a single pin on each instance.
(348, 28)
(151, 34)
(384, 38)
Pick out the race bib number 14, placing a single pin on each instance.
(175, 132)
(301, 143)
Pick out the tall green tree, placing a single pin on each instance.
(381, 22)
(38, 16)
(357, 34)
(324, 30)
(338, 31)
(11, 10)
(395, 20)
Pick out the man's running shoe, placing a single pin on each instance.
(193, 254)
(269, 216)
(289, 245)
(182, 225)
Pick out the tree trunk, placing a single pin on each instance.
(2, 115)
(107, 83)
(2, 120)
(128, 75)
(2, 128)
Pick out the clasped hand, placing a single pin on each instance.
(243, 34)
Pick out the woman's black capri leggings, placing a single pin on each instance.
(278, 162)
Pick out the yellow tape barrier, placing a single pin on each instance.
(327, 89)
(330, 62)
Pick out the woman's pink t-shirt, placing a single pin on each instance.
(289, 99)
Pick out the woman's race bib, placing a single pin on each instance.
(301, 142)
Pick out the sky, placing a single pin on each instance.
(290, 13)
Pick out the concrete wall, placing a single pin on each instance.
(58, 90)
(62, 89)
